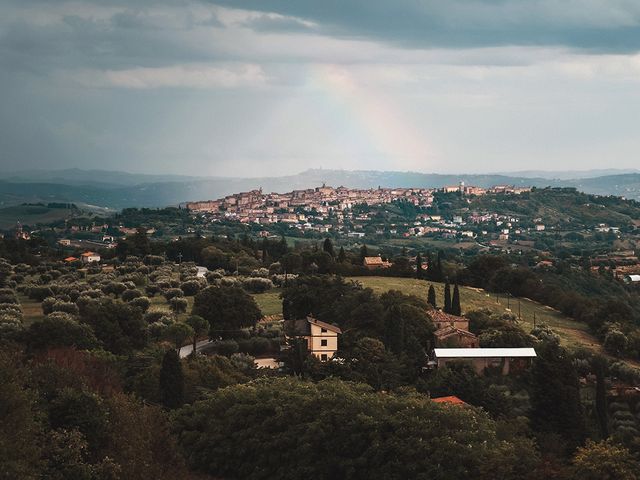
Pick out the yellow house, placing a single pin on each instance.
(321, 337)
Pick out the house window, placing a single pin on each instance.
(323, 357)
(323, 330)
(323, 343)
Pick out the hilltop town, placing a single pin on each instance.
(327, 208)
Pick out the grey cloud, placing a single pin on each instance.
(124, 40)
(601, 25)
(280, 24)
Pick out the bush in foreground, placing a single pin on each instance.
(335, 429)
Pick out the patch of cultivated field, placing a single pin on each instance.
(572, 333)
(269, 302)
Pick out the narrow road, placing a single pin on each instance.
(187, 349)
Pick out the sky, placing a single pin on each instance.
(271, 87)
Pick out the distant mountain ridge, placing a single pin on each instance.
(118, 190)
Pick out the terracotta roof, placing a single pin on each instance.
(440, 316)
(303, 327)
(70, 259)
(450, 400)
(373, 261)
(328, 326)
(89, 254)
(448, 330)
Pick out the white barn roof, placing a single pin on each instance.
(634, 278)
(484, 352)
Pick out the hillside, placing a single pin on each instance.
(118, 190)
(32, 215)
(572, 333)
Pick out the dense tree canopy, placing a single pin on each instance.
(227, 309)
(334, 430)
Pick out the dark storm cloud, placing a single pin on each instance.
(604, 25)
(126, 38)
(273, 86)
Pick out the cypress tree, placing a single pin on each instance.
(439, 275)
(394, 330)
(341, 255)
(171, 380)
(555, 395)
(285, 309)
(328, 247)
(364, 252)
(430, 267)
(447, 298)
(418, 266)
(283, 247)
(455, 301)
(265, 251)
(599, 365)
(431, 297)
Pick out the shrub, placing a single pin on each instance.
(8, 297)
(10, 325)
(10, 307)
(152, 289)
(279, 280)
(260, 272)
(115, 288)
(157, 330)
(47, 305)
(178, 304)
(254, 346)
(152, 317)
(225, 347)
(66, 307)
(39, 293)
(143, 303)
(190, 287)
(257, 285)
(153, 260)
(172, 293)
(615, 342)
(129, 295)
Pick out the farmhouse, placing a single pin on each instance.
(450, 336)
(321, 337)
(441, 319)
(505, 360)
(373, 263)
(90, 257)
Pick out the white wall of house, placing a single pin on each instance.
(323, 342)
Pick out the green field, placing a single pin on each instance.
(269, 302)
(572, 333)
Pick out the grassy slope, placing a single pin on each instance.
(269, 302)
(571, 332)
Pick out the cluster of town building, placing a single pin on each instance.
(321, 202)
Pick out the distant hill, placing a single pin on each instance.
(119, 189)
(570, 174)
(32, 215)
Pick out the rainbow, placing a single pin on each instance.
(371, 118)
